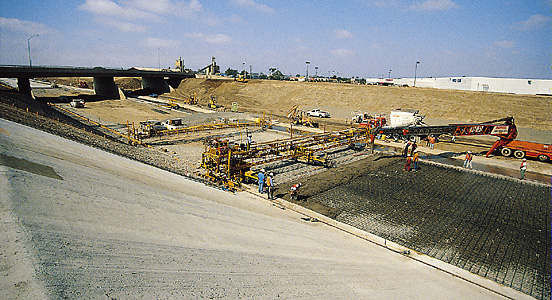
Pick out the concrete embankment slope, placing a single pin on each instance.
(80, 223)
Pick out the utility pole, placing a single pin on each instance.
(415, 71)
(29, 48)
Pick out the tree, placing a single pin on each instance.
(277, 75)
(231, 72)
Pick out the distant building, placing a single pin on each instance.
(483, 84)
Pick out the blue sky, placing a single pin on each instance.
(365, 38)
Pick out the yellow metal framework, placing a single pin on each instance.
(229, 164)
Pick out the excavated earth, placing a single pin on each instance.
(493, 226)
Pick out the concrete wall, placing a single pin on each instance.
(155, 84)
(105, 86)
(485, 84)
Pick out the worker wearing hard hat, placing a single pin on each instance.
(415, 159)
(522, 168)
(270, 185)
(468, 160)
(261, 177)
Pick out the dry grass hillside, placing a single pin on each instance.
(278, 97)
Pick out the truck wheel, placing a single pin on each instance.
(543, 158)
(506, 151)
(412, 138)
(519, 154)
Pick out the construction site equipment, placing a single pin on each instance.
(299, 117)
(230, 164)
(155, 130)
(241, 78)
(83, 84)
(172, 124)
(172, 104)
(152, 127)
(504, 128)
(77, 103)
(192, 100)
(406, 117)
(522, 149)
(213, 103)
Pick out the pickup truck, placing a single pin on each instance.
(318, 113)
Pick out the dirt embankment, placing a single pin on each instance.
(277, 97)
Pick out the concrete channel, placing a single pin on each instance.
(484, 221)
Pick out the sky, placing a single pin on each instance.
(349, 38)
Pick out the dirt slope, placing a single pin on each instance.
(278, 97)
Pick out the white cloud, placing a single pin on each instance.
(122, 25)
(152, 42)
(533, 23)
(342, 34)
(254, 5)
(430, 5)
(342, 52)
(24, 27)
(505, 44)
(210, 38)
(121, 13)
(110, 8)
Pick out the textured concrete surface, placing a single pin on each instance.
(80, 223)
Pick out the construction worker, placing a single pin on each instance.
(415, 159)
(413, 148)
(406, 149)
(270, 185)
(522, 168)
(261, 178)
(294, 191)
(432, 141)
(248, 141)
(408, 161)
(468, 160)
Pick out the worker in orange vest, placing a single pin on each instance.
(408, 161)
(468, 160)
(415, 158)
(522, 168)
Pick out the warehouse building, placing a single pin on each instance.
(482, 84)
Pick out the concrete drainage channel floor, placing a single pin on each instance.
(496, 227)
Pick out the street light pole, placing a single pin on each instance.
(415, 71)
(389, 74)
(29, 48)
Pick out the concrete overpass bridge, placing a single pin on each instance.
(104, 84)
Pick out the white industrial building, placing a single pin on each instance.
(483, 84)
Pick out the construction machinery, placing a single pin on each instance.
(213, 103)
(230, 164)
(172, 104)
(241, 78)
(397, 118)
(77, 103)
(192, 100)
(83, 84)
(299, 117)
(522, 149)
(504, 128)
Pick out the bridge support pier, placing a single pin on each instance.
(156, 85)
(24, 86)
(105, 86)
(174, 82)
